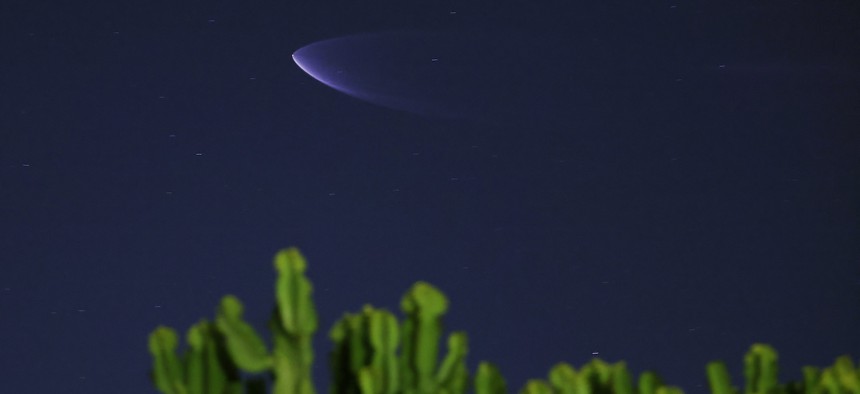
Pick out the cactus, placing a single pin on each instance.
(488, 380)
(365, 359)
(243, 343)
(293, 324)
(649, 382)
(204, 369)
(536, 386)
(216, 352)
(452, 377)
(423, 306)
(760, 370)
(598, 376)
(718, 378)
(168, 373)
(841, 377)
(208, 368)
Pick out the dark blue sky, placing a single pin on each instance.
(667, 212)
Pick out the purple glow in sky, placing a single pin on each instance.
(444, 75)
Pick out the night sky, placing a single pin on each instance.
(687, 185)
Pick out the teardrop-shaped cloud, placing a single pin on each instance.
(438, 74)
(504, 77)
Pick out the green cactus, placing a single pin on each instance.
(760, 370)
(622, 383)
(840, 378)
(669, 390)
(649, 382)
(719, 379)
(565, 379)
(811, 375)
(209, 370)
(365, 359)
(597, 377)
(424, 307)
(214, 353)
(293, 325)
(204, 369)
(168, 373)
(488, 380)
(452, 376)
(536, 386)
(243, 343)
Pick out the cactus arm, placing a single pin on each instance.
(563, 378)
(243, 344)
(383, 335)
(423, 305)
(204, 372)
(536, 386)
(408, 377)
(718, 378)
(195, 360)
(167, 373)
(367, 381)
(453, 373)
(811, 375)
(358, 351)
(293, 294)
(488, 380)
(598, 371)
(649, 382)
(293, 324)
(669, 390)
(289, 377)
(848, 376)
(338, 358)
(760, 369)
(622, 383)
(290, 367)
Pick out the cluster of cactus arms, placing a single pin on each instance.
(374, 353)
(365, 359)
(761, 375)
(218, 352)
